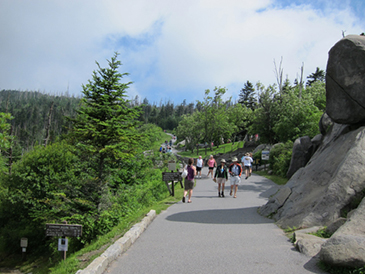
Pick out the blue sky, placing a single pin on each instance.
(172, 49)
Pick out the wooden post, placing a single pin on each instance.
(173, 187)
(63, 254)
(181, 184)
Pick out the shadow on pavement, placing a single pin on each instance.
(221, 216)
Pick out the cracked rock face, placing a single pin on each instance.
(316, 193)
(345, 80)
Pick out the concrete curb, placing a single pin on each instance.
(99, 265)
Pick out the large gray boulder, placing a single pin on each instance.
(302, 152)
(334, 176)
(325, 123)
(345, 80)
(346, 247)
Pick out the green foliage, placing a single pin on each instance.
(265, 115)
(317, 91)
(189, 129)
(51, 184)
(30, 110)
(214, 121)
(45, 186)
(318, 76)
(5, 138)
(247, 96)
(104, 127)
(298, 117)
(225, 148)
(280, 157)
(322, 233)
(150, 135)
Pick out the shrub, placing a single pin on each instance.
(280, 157)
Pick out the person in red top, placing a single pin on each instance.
(235, 169)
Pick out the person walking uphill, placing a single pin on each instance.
(189, 180)
(211, 164)
(235, 170)
(199, 166)
(247, 161)
(220, 177)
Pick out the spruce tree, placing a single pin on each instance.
(104, 127)
(247, 96)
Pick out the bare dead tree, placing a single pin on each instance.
(301, 81)
(48, 127)
(279, 74)
(11, 151)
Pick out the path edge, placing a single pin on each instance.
(100, 264)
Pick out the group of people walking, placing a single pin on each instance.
(220, 176)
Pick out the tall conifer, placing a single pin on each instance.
(104, 127)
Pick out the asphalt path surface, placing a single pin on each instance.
(215, 235)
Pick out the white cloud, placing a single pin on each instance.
(175, 49)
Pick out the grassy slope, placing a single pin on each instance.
(225, 148)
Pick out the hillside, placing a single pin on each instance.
(31, 111)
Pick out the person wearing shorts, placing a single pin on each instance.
(220, 177)
(235, 170)
(199, 166)
(247, 163)
(189, 180)
(211, 164)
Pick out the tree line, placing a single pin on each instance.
(275, 115)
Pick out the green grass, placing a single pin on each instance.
(205, 152)
(275, 178)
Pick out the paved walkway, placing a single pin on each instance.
(215, 235)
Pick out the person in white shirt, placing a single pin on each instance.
(247, 161)
(199, 166)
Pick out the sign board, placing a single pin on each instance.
(172, 165)
(24, 242)
(62, 244)
(63, 230)
(265, 155)
(171, 176)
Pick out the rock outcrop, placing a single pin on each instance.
(333, 177)
(346, 247)
(345, 80)
(332, 182)
(302, 152)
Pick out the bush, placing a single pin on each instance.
(280, 157)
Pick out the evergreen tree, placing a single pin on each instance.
(318, 75)
(104, 126)
(247, 96)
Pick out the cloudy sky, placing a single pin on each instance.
(172, 49)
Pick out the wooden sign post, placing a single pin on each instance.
(171, 177)
(63, 230)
